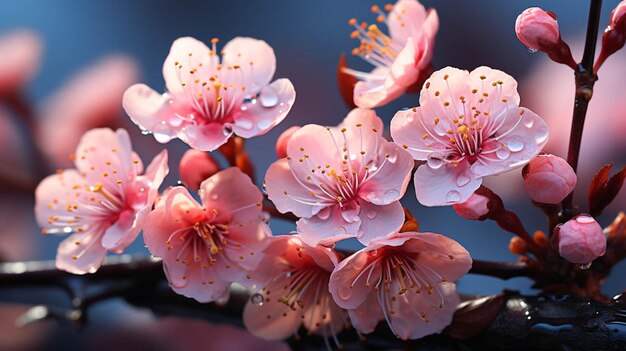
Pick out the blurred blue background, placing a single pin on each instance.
(307, 37)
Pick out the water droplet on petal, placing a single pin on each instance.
(67, 230)
(373, 253)
(515, 144)
(146, 132)
(585, 265)
(245, 122)
(268, 97)
(462, 180)
(440, 130)
(264, 124)
(214, 196)
(541, 135)
(391, 195)
(162, 133)
(371, 214)
(228, 130)
(531, 50)
(503, 153)
(393, 156)
(453, 196)
(528, 121)
(345, 292)
(435, 160)
(257, 299)
(324, 213)
(409, 118)
(584, 219)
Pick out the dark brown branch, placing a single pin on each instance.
(585, 79)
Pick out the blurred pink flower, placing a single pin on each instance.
(20, 56)
(468, 126)
(474, 208)
(406, 279)
(195, 166)
(581, 239)
(294, 292)
(14, 155)
(399, 58)
(91, 98)
(205, 247)
(343, 181)
(207, 101)
(549, 179)
(103, 203)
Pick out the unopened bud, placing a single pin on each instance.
(196, 166)
(548, 179)
(581, 240)
(283, 140)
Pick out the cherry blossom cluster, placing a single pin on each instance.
(336, 182)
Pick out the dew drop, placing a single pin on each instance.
(161, 137)
(393, 156)
(373, 253)
(584, 219)
(462, 180)
(409, 118)
(268, 97)
(344, 292)
(503, 153)
(541, 135)
(435, 160)
(228, 130)
(67, 230)
(324, 213)
(146, 132)
(179, 182)
(453, 196)
(515, 144)
(257, 299)
(391, 195)
(371, 214)
(585, 265)
(439, 130)
(244, 122)
(214, 196)
(531, 50)
(528, 121)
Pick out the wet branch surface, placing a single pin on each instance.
(507, 321)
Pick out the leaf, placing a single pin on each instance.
(603, 189)
(346, 82)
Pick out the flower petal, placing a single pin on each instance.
(82, 252)
(232, 194)
(379, 220)
(406, 20)
(120, 231)
(415, 134)
(389, 181)
(255, 58)
(446, 185)
(185, 55)
(205, 137)
(321, 231)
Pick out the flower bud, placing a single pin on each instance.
(518, 246)
(581, 240)
(474, 208)
(539, 30)
(548, 179)
(195, 166)
(614, 35)
(283, 139)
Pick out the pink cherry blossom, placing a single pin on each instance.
(20, 56)
(205, 247)
(399, 58)
(406, 279)
(195, 166)
(90, 99)
(474, 208)
(343, 181)
(581, 240)
(103, 203)
(549, 179)
(294, 292)
(209, 99)
(468, 126)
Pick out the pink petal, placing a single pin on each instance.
(203, 285)
(120, 231)
(445, 185)
(54, 193)
(404, 71)
(374, 91)
(188, 53)
(279, 180)
(523, 136)
(256, 59)
(347, 291)
(408, 129)
(273, 105)
(406, 20)
(151, 111)
(379, 221)
(508, 88)
(389, 182)
(366, 316)
(103, 151)
(21, 56)
(206, 137)
(232, 194)
(320, 231)
(85, 257)
(446, 85)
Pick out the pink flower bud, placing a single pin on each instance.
(474, 208)
(618, 17)
(283, 140)
(195, 166)
(537, 28)
(548, 179)
(581, 240)
(21, 55)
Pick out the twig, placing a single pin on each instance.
(585, 79)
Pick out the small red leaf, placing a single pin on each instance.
(346, 82)
(604, 189)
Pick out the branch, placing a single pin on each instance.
(585, 79)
